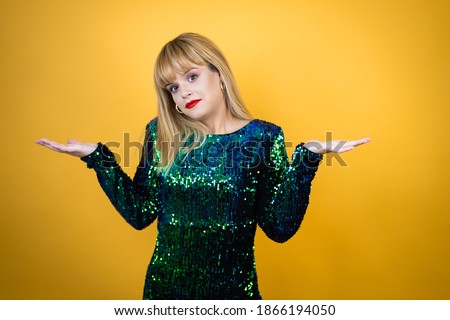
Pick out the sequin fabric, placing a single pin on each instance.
(209, 206)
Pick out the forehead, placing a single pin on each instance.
(184, 71)
(167, 71)
(178, 75)
(177, 57)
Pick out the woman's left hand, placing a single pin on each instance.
(337, 146)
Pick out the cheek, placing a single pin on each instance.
(209, 87)
(216, 93)
(176, 98)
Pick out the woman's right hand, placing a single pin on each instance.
(73, 147)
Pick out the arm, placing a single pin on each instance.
(136, 200)
(283, 188)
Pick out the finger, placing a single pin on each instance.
(46, 142)
(42, 141)
(58, 146)
(358, 142)
(53, 148)
(62, 147)
(48, 145)
(73, 141)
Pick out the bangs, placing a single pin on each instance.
(175, 58)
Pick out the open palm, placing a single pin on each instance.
(73, 147)
(338, 146)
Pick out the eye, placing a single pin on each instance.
(173, 89)
(192, 77)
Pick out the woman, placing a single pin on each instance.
(210, 173)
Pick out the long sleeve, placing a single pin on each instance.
(136, 200)
(283, 188)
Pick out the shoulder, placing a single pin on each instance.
(151, 129)
(152, 125)
(265, 129)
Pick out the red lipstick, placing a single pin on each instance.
(192, 103)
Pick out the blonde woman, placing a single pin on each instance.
(210, 174)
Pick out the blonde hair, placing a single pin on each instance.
(178, 56)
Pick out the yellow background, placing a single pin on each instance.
(377, 228)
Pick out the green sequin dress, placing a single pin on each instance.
(208, 207)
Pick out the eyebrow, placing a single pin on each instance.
(190, 70)
(183, 75)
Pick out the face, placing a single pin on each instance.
(198, 94)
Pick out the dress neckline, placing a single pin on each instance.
(231, 133)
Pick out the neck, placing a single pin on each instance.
(226, 125)
(220, 124)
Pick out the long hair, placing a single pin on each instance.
(178, 56)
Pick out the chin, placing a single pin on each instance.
(198, 116)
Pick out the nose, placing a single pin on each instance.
(185, 91)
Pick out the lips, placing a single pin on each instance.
(192, 103)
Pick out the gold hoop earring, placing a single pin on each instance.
(222, 87)
(178, 109)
